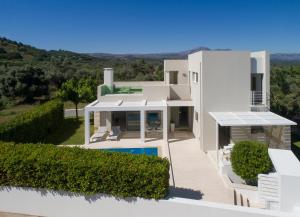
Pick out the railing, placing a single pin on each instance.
(268, 190)
(256, 97)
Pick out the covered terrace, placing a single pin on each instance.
(141, 106)
(266, 127)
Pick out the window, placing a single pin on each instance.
(196, 116)
(257, 129)
(173, 77)
(195, 77)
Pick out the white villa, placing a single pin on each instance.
(205, 104)
(217, 97)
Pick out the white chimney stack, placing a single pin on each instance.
(108, 77)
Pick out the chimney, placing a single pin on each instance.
(109, 77)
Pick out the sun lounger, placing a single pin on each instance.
(114, 134)
(99, 134)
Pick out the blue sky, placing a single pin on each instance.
(145, 26)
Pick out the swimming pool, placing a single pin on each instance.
(146, 151)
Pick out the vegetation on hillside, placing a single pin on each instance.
(285, 90)
(50, 69)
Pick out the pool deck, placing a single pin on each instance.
(193, 173)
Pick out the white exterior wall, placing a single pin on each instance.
(195, 65)
(225, 87)
(58, 204)
(262, 60)
(176, 65)
(108, 76)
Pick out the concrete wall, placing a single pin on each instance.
(287, 167)
(225, 87)
(176, 65)
(180, 92)
(58, 204)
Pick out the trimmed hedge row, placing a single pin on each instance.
(250, 158)
(34, 125)
(83, 171)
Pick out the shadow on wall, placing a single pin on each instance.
(46, 192)
(185, 193)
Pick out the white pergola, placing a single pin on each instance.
(120, 105)
(230, 119)
(247, 119)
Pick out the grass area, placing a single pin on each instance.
(71, 132)
(11, 112)
(70, 105)
(296, 138)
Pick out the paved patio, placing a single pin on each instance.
(194, 174)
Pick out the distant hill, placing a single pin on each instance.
(286, 57)
(275, 58)
(168, 55)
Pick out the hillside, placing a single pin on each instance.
(26, 70)
(69, 64)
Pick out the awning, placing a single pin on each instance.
(121, 105)
(250, 119)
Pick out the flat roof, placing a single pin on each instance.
(285, 162)
(123, 105)
(250, 119)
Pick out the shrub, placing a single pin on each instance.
(83, 171)
(250, 158)
(34, 125)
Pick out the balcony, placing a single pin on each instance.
(256, 98)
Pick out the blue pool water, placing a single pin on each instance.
(146, 151)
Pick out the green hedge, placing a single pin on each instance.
(250, 158)
(83, 171)
(34, 125)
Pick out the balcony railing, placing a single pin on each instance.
(256, 98)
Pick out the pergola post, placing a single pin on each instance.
(142, 119)
(165, 124)
(86, 126)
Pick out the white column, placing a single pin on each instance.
(86, 127)
(108, 120)
(165, 124)
(142, 119)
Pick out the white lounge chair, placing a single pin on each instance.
(99, 134)
(114, 133)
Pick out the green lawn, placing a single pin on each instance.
(70, 105)
(9, 113)
(296, 138)
(71, 132)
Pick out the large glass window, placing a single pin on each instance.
(153, 119)
(133, 121)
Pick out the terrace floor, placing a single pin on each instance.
(193, 174)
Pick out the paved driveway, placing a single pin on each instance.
(194, 174)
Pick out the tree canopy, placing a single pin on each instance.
(76, 91)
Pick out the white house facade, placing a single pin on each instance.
(219, 96)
